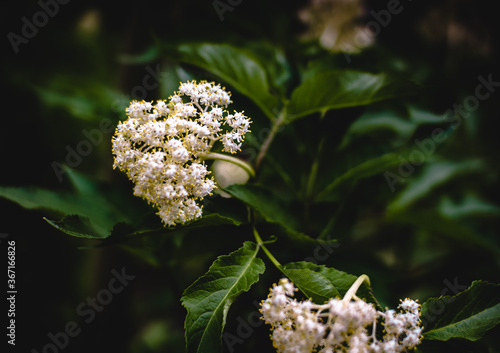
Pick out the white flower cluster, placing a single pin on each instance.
(338, 325)
(161, 146)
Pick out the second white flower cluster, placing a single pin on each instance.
(339, 325)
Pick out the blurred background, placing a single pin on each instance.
(68, 75)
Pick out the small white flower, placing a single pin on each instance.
(229, 144)
(390, 346)
(217, 112)
(176, 99)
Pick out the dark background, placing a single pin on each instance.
(451, 41)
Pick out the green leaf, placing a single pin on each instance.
(38, 198)
(208, 220)
(88, 200)
(321, 275)
(93, 211)
(208, 299)
(343, 89)
(366, 169)
(170, 82)
(235, 67)
(90, 100)
(314, 285)
(213, 219)
(265, 202)
(61, 202)
(402, 122)
(123, 231)
(432, 176)
(469, 314)
(469, 206)
(151, 54)
(77, 226)
(458, 233)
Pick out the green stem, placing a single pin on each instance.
(267, 142)
(351, 293)
(333, 219)
(311, 180)
(268, 253)
(314, 170)
(224, 157)
(315, 166)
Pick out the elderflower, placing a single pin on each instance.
(336, 24)
(161, 147)
(340, 325)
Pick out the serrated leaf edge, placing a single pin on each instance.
(228, 299)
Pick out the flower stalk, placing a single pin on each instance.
(351, 293)
(227, 158)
